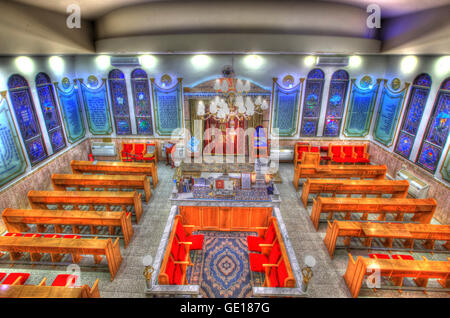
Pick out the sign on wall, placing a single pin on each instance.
(389, 110)
(12, 160)
(285, 108)
(167, 106)
(96, 107)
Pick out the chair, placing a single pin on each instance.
(276, 274)
(175, 272)
(196, 240)
(336, 154)
(258, 261)
(300, 148)
(349, 155)
(139, 150)
(254, 242)
(379, 256)
(65, 280)
(16, 279)
(361, 155)
(2, 275)
(150, 154)
(403, 257)
(13, 234)
(126, 154)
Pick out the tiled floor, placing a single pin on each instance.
(129, 282)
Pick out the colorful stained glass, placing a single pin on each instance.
(12, 160)
(97, 109)
(50, 111)
(141, 98)
(168, 109)
(413, 114)
(312, 102)
(25, 112)
(285, 109)
(437, 130)
(336, 103)
(389, 110)
(119, 101)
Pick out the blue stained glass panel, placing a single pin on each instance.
(285, 110)
(429, 157)
(119, 101)
(336, 103)
(168, 108)
(97, 109)
(141, 98)
(312, 103)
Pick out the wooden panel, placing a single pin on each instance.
(225, 218)
(210, 218)
(259, 217)
(240, 219)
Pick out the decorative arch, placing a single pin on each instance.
(437, 130)
(22, 102)
(141, 98)
(312, 103)
(413, 115)
(50, 111)
(119, 101)
(336, 103)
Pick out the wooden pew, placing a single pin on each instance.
(397, 270)
(62, 181)
(42, 291)
(396, 188)
(423, 209)
(388, 231)
(40, 200)
(17, 245)
(337, 171)
(17, 220)
(117, 168)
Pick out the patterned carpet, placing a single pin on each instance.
(222, 268)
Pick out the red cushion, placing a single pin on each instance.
(127, 147)
(404, 257)
(273, 277)
(63, 279)
(352, 160)
(338, 159)
(170, 267)
(197, 242)
(52, 236)
(2, 275)
(13, 276)
(348, 151)
(181, 253)
(177, 279)
(72, 236)
(275, 253)
(380, 256)
(180, 232)
(362, 160)
(13, 234)
(139, 149)
(336, 150)
(270, 234)
(253, 243)
(282, 273)
(175, 249)
(32, 235)
(314, 149)
(256, 261)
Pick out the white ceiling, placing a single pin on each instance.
(93, 9)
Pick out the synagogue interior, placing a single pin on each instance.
(224, 149)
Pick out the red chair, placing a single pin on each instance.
(257, 261)
(150, 154)
(65, 280)
(276, 275)
(17, 278)
(32, 235)
(127, 152)
(314, 149)
(2, 275)
(139, 150)
(361, 155)
(196, 240)
(13, 234)
(300, 148)
(253, 242)
(52, 236)
(403, 257)
(175, 272)
(349, 155)
(336, 154)
(379, 256)
(72, 236)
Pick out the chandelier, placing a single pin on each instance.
(232, 101)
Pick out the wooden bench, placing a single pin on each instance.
(423, 209)
(116, 168)
(396, 270)
(337, 171)
(389, 231)
(17, 245)
(41, 200)
(396, 188)
(17, 220)
(63, 181)
(42, 291)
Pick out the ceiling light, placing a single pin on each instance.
(201, 60)
(147, 61)
(355, 61)
(309, 60)
(24, 64)
(103, 62)
(408, 64)
(56, 64)
(253, 61)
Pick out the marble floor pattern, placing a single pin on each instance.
(129, 282)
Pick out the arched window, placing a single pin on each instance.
(336, 103)
(141, 97)
(50, 111)
(312, 103)
(413, 115)
(437, 131)
(29, 127)
(119, 101)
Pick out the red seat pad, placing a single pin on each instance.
(175, 249)
(197, 242)
(273, 277)
(63, 279)
(32, 235)
(181, 253)
(2, 275)
(13, 234)
(52, 236)
(380, 256)
(314, 149)
(404, 257)
(72, 236)
(270, 234)
(177, 280)
(256, 261)
(13, 276)
(253, 243)
(275, 253)
(180, 232)
(170, 268)
(282, 273)
(362, 160)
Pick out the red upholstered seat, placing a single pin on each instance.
(336, 153)
(348, 154)
(65, 280)
(52, 236)
(139, 150)
(404, 257)
(72, 236)
(254, 241)
(32, 235)
(13, 234)
(300, 150)
(379, 256)
(361, 155)
(277, 275)
(14, 276)
(170, 269)
(127, 152)
(178, 275)
(314, 149)
(257, 260)
(2, 275)
(196, 240)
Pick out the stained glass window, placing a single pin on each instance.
(119, 101)
(413, 115)
(437, 131)
(50, 111)
(25, 112)
(336, 103)
(167, 106)
(312, 103)
(141, 98)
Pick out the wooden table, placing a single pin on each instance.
(34, 291)
(62, 181)
(396, 188)
(423, 209)
(117, 168)
(16, 220)
(16, 245)
(338, 171)
(40, 200)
